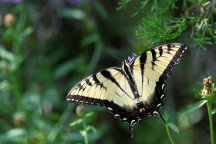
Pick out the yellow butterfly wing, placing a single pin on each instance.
(108, 88)
(150, 70)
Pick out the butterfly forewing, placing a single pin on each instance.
(108, 88)
(151, 68)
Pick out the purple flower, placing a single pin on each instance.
(132, 58)
(11, 1)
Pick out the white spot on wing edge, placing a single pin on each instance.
(109, 108)
(162, 96)
(155, 112)
(158, 105)
(163, 85)
(116, 115)
(124, 119)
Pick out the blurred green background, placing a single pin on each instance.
(46, 47)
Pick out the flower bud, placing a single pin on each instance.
(9, 19)
(208, 88)
(19, 119)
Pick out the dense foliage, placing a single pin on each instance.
(48, 46)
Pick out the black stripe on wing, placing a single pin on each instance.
(108, 75)
(143, 58)
(97, 82)
(153, 58)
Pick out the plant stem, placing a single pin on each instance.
(85, 131)
(209, 106)
(169, 134)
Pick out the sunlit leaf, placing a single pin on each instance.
(173, 127)
(16, 132)
(76, 122)
(73, 13)
(80, 120)
(195, 106)
(4, 85)
(27, 31)
(4, 54)
(89, 114)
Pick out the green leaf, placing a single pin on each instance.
(122, 4)
(139, 9)
(80, 120)
(89, 114)
(7, 55)
(214, 111)
(4, 85)
(72, 13)
(157, 27)
(27, 31)
(201, 41)
(76, 122)
(195, 106)
(166, 116)
(16, 132)
(173, 127)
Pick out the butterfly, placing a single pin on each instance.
(134, 90)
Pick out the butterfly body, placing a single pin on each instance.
(133, 90)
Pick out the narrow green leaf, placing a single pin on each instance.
(27, 31)
(195, 106)
(89, 114)
(76, 122)
(122, 4)
(173, 127)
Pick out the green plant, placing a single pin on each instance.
(169, 21)
(208, 97)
